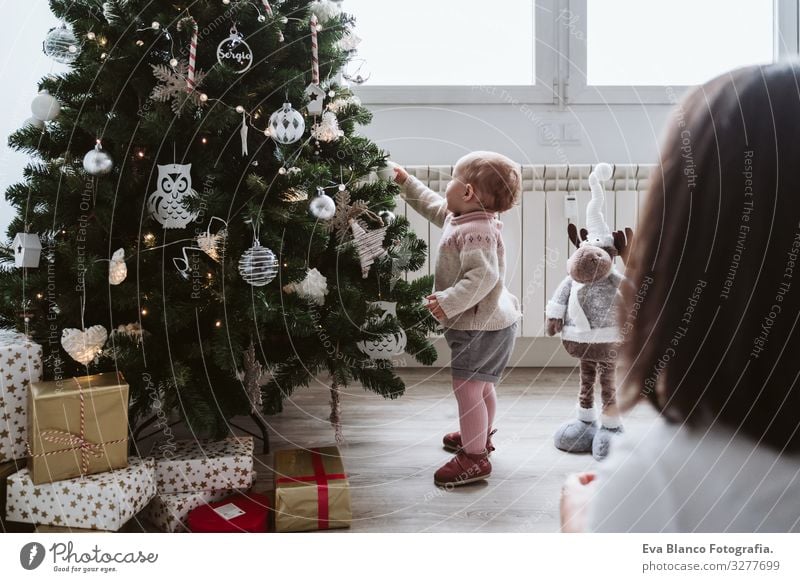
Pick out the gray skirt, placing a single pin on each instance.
(480, 355)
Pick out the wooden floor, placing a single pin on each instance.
(393, 448)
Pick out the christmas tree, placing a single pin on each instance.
(210, 222)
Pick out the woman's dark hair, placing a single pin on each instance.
(710, 317)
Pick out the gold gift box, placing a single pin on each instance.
(63, 447)
(311, 490)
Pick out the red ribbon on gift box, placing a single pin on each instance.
(321, 478)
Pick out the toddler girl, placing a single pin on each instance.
(471, 301)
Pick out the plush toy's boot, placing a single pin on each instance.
(609, 430)
(577, 436)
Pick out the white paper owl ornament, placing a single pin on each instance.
(174, 187)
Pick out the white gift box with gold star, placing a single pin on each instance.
(103, 501)
(168, 511)
(20, 364)
(191, 466)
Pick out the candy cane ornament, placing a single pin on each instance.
(267, 8)
(190, 74)
(314, 52)
(314, 92)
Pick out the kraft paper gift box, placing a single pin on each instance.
(78, 426)
(168, 511)
(311, 490)
(191, 466)
(104, 501)
(20, 364)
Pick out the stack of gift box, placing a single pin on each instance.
(73, 436)
(194, 474)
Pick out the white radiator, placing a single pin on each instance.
(535, 232)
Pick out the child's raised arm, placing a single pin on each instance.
(421, 198)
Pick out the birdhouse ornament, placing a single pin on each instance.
(27, 250)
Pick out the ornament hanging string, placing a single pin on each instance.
(314, 51)
(190, 21)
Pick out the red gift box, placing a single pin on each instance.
(211, 518)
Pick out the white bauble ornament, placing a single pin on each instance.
(322, 206)
(325, 10)
(286, 125)
(235, 53)
(97, 162)
(327, 129)
(174, 186)
(83, 346)
(387, 346)
(313, 288)
(45, 107)
(33, 122)
(117, 269)
(61, 45)
(387, 173)
(258, 265)
(27, 250)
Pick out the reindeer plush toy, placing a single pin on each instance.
(584, 310)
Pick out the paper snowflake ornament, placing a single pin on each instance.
(174, 86)
(327, 129)
(346, 211)
(313, 288)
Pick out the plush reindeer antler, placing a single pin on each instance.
(572, 231)
(623, 241)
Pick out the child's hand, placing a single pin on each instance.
(576, 495)
(435, 308)
(400, 174)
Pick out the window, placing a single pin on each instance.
(680, 42)
(445, 42)
(562, 51)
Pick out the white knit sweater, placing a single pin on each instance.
(471, 265)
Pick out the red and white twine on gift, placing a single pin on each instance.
(267, 7)
(190, 83)
(314, 51)
(76, 441)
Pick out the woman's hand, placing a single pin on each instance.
(576, 495)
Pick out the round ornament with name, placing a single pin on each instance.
(234, 52)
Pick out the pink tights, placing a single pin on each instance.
(476, 407)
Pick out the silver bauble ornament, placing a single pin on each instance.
(258, 265)
(45, 107)
(387, 216)
(322, 206)
(61, 45)
(97, 162)
(286, 125)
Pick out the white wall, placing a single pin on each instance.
(22, 64)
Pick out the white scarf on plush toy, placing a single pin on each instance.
(576, 313)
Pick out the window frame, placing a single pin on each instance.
(560, 67)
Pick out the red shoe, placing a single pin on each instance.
(462, 469)
(452, 442)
